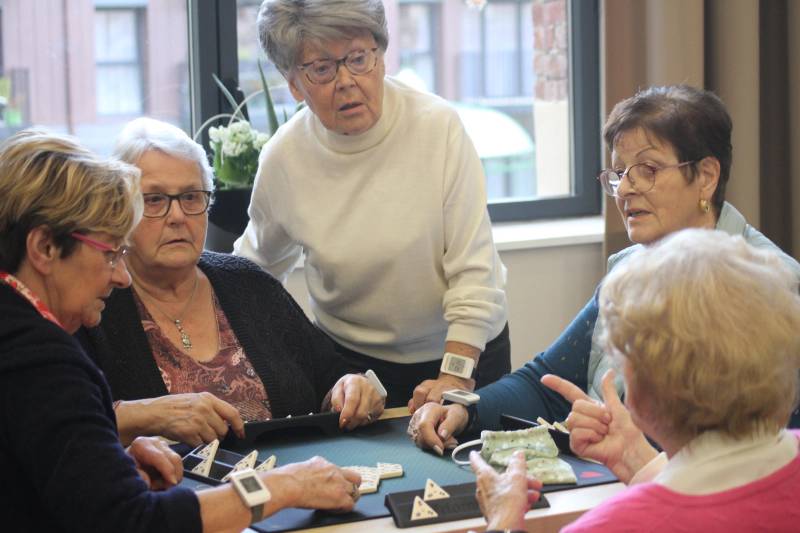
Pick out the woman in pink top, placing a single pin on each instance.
(706, 332)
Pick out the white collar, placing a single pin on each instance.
(714, 462)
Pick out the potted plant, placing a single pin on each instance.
(236, 148)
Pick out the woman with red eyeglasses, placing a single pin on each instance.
(64, 217)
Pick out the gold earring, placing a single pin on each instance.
(704, 206)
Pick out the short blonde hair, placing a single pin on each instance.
(710, 327)
(52, 180)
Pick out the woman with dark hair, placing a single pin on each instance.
(671, 151)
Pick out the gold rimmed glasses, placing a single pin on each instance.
(642, 177)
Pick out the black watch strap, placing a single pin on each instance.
(258, 513)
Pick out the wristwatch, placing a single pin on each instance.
(458, 365)
(252, 491)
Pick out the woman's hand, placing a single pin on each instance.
(158, 465)
(604, 432)
(431, 390)
(434, 426)
(504, 498)
(314, 484)
(358, 401)
(194, 419)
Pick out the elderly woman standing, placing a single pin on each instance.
(202, 340)
(706, 330)
(64, 216)
(671, 151)
(383, 190)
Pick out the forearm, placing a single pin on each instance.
(523, 395)
(134, 420)
(459, 348)
(223, 511)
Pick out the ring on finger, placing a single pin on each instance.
(355, 491)
(369, 417)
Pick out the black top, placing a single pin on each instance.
(296, 362)
(63, 467)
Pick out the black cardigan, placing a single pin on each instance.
(63, 467)
(296, 362)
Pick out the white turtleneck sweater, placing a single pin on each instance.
(393, 222)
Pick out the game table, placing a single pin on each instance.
(386, 441)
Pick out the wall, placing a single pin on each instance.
(34, 39)
(646, 43)
(547, 287)
(733, 49)
(794, 89)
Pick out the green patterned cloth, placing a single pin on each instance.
(539, 449)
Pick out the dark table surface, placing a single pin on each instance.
(383, 441)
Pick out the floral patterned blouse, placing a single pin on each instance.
(229, 375)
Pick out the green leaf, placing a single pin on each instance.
(235, 172)
(228, 95)
(272, 118)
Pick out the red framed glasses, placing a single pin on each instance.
(113, 254)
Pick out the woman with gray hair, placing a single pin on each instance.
(381, 187)
(65, 215)
(203, 340)
(706, 331)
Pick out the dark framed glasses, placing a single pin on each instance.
(357, 63)
(642, 177)
(157, 204)
(113, 254)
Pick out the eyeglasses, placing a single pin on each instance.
(357, 63)
(642, 177)
(115, 253)
(157, 204)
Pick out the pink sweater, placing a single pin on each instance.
(771, 504)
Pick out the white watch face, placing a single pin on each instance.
(250, 488)
(457, 365)
(461, 396)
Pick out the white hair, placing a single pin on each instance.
(145, 134)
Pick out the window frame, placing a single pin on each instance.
(212, 49)
(138, 63)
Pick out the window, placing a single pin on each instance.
(418, 44)
(119, 62)
(523, 74)
(93, 67)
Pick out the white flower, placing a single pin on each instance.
(261, 140)
(232, 148)
(240, 127)
(218, 135)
